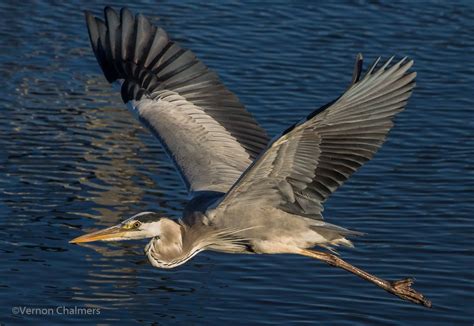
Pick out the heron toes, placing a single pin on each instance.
(403, 289)
(405, 283)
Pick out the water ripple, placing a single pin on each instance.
(73, 160)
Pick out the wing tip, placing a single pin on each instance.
(90, 19)
(93, 31)
(397, 70)
(108, 9)
(358, 64)
(125, 11)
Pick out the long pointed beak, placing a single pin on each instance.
(109, 234)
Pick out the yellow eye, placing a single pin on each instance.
(136, 225)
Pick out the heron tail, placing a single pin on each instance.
(334, 235)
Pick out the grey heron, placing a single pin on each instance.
(248, 194)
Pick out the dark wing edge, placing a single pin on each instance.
(149, 65)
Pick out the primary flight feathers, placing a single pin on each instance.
(205, 129)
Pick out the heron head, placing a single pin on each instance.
(140, 226)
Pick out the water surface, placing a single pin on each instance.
(72, 159)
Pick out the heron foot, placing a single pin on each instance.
(403, 289)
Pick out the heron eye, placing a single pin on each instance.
(136, 224)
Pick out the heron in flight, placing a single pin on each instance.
(248, 194)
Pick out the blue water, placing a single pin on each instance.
(72, 159)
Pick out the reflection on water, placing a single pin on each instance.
(72, 160)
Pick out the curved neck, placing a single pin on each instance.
(175, 245)
(179, 242)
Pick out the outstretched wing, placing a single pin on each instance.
(204, 128)
(311, 159)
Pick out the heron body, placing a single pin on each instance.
(248, 194)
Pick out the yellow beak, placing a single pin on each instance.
(112, 233)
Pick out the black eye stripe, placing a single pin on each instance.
(150, 217)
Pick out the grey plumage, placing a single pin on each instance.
(248, 195)
(215, 142)
(307, 163)
(202, 125)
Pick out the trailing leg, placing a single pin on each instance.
(400, 288)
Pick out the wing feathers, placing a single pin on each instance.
(312, 159)
(153, 68)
